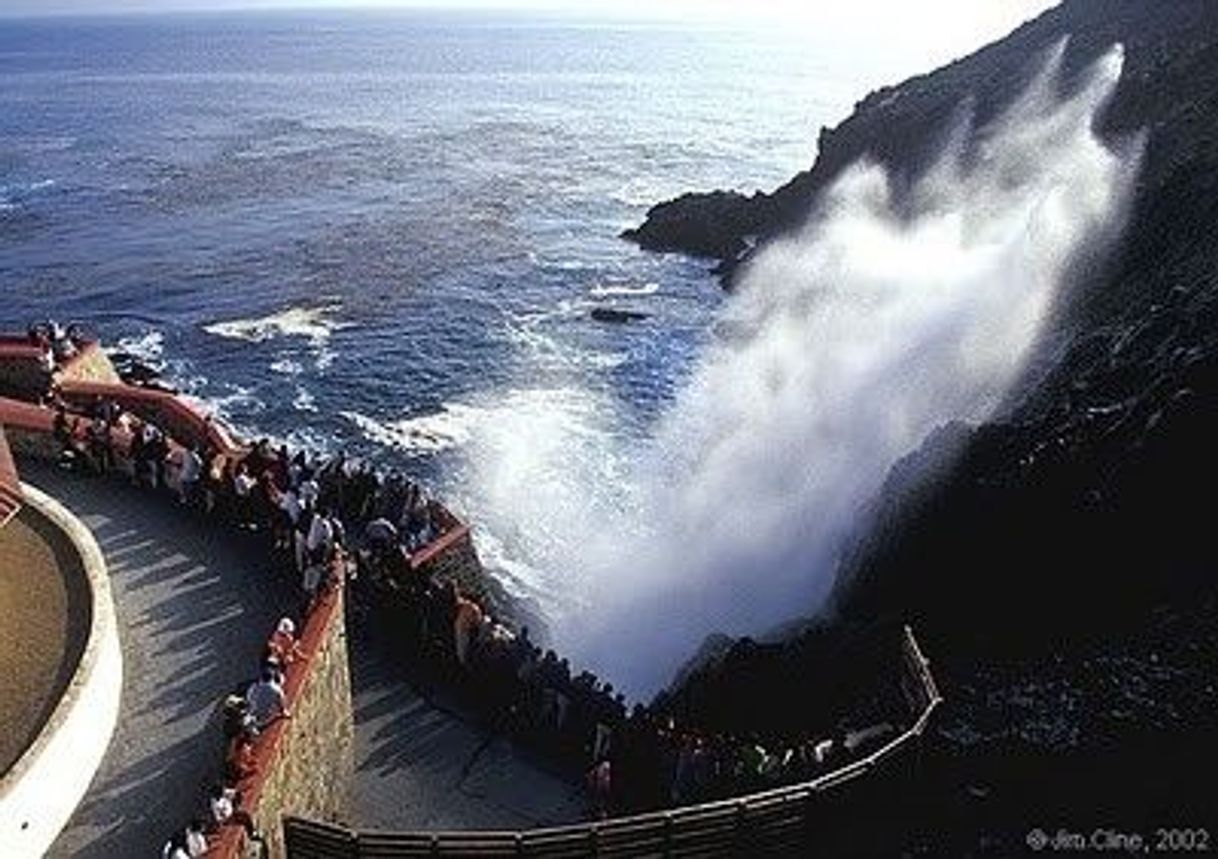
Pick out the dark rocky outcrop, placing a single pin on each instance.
(1168, 87)
(616, 315)
(1057, 563)
(714, 225)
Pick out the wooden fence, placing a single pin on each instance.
(781, 821)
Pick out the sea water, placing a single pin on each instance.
(385, 232)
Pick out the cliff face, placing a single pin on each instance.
(1060, 570)
(1168, 87)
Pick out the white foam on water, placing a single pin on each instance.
(304, 401)
(423, 434)
(286, 366)
(315, 324)
(149, 347)
(642, 193)
(601, 290)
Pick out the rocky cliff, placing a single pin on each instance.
(1060, 570)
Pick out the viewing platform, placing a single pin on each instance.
(449, 730)
(194, 606)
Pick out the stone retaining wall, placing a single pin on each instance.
(305, 764)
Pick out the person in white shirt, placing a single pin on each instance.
(266, 700)
(289, 503)
(321, 538)
(309, 490)
(196, 840)
(175, 848)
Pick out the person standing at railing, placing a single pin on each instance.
(242, 487)
(60, 430)
(189, 474)
(283, 644)
(266, 700)
(224, 802)
(241, 761)
(380, 537)
(600, 787)
(466, 621)
(155, 450)
(320, 540)
(100, 450)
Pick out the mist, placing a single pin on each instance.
(887, 315)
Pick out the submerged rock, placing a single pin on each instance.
(613, 314)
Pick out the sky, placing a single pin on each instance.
(952, 17)
(910, 35)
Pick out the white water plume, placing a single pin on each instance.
(850, 342)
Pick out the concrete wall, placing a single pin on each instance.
(40, 792)
(91, 365)
(307, 762)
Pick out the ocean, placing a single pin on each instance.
(385, 232)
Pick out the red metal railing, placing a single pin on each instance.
(176, 417)
(11, 497)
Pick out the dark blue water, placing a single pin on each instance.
(368, 230)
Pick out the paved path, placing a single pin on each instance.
(421, 764)
(194, 606)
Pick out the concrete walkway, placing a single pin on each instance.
(423, 764)
(194, 605)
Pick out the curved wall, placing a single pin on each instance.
(40, 792)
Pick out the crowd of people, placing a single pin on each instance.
(57, 343)
(633, 758)
(302, 506)
(246, 714)
(336, 519)
(305, 504)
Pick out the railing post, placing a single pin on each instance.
(668, 833)
(594, 840)
(518, 838)
(810, 799)
(740, 827)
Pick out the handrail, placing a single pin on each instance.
(26, 416)
(183, 422)
(438, 546)
(637, 828)
(198, 428)
(11, 496)
(20, 348)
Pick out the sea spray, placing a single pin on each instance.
(886, 316)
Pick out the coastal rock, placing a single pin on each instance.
(614, 314)
(715, 225)
(1072, 532)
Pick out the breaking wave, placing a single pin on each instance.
(889, 314)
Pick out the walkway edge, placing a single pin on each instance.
(42, 790)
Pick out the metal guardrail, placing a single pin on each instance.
(772, 822)
(11, 497)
